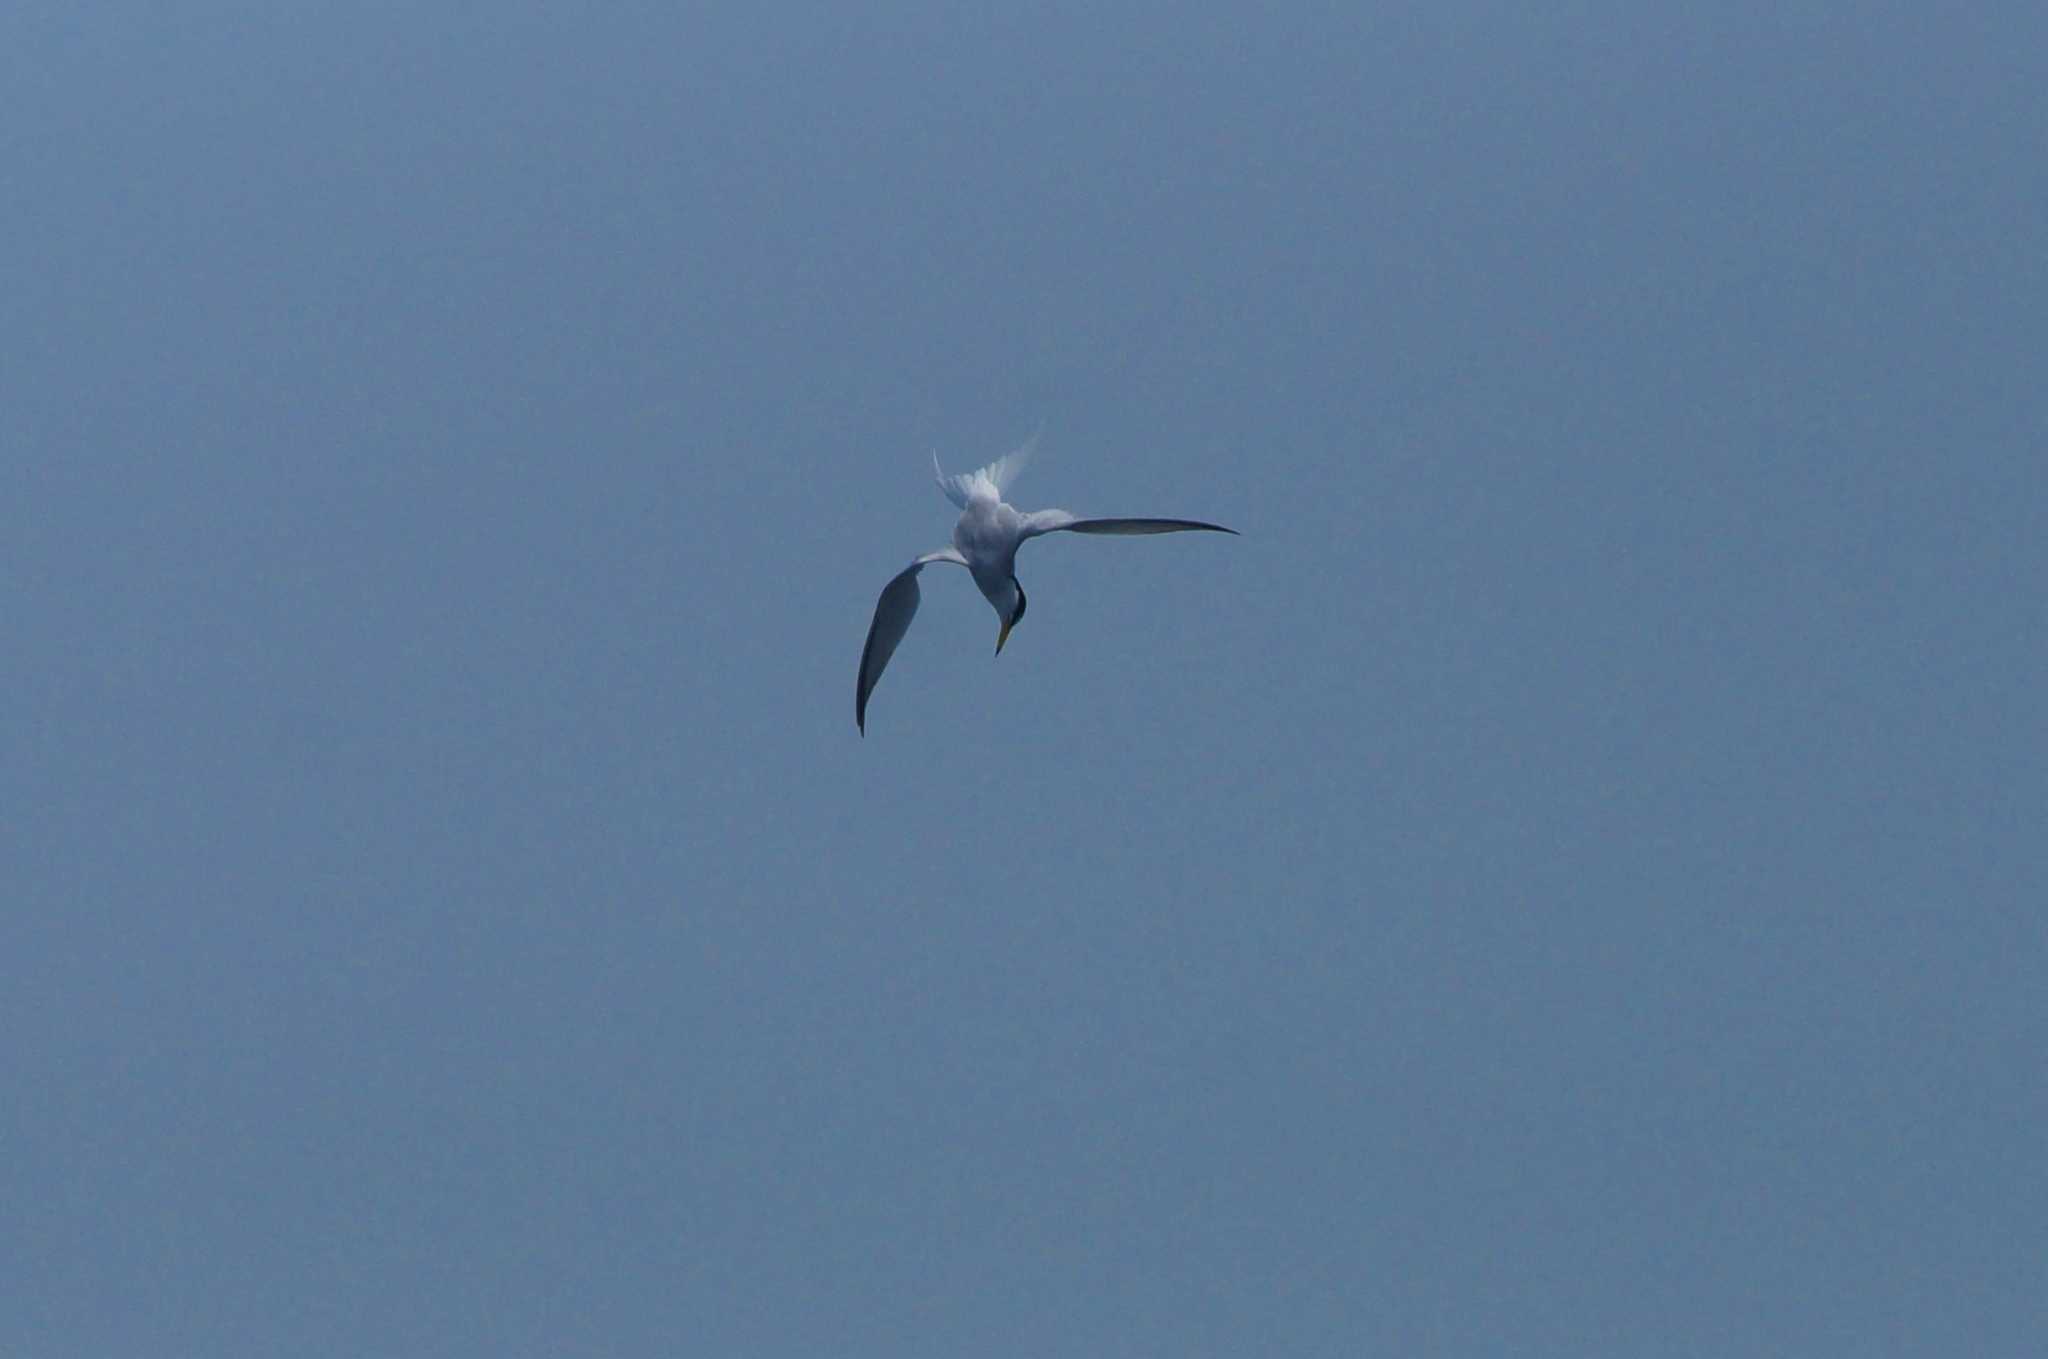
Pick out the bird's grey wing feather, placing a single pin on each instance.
(1060, 521)
(893, 612)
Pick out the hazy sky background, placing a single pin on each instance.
(1568, 880)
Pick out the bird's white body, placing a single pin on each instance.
(987, 536)
(985, 541)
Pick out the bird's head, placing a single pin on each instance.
(1010, 615)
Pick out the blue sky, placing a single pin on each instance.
(1568, 879)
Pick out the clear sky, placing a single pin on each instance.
(1568, 880)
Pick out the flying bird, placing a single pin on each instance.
(985, 541)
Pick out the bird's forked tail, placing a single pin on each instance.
(993, 480)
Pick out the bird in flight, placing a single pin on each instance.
(985, 541)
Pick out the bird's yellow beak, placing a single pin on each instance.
(1002, 637)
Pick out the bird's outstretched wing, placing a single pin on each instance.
(1060, 521)
(893, 612)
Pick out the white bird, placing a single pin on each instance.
(985, 541)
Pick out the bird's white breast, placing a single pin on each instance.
(987, 535)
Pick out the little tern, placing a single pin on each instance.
(985, 541)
